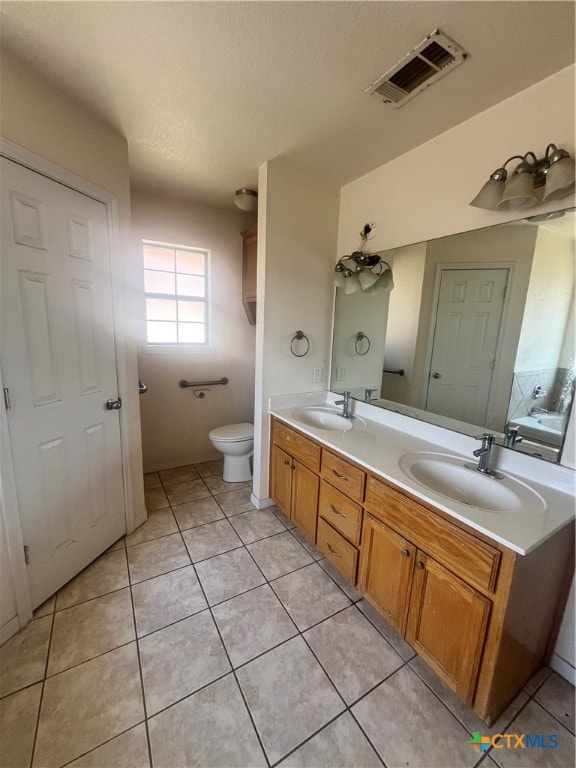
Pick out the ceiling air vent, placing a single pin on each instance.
(432, 59)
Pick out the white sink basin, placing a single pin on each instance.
(324, 417)
(449, 477)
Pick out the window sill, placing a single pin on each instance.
(176, 349)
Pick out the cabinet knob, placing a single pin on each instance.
(405, 553)
(420, 565)
(287, 462)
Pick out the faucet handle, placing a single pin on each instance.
(487, 438)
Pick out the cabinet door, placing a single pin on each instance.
(447, 624)
(386, 571)
(281, 479)
(305, 489)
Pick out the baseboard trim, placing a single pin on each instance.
(261, 503)
(9, 629)
(563, 668)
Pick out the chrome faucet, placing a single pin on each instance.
(345, 403)
(511, 437)
(484, 456)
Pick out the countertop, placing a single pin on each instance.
(379, 448)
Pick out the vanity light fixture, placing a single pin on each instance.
(534, 180)
(360, 270)
(246, 199)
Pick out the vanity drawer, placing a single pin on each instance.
(340, 552)
(342, 513)
(460, 552)
(343, 475)
(298, 446)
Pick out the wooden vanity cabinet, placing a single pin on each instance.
(447, 622)
(483, 617)
(442, 617)
(294, 480)
(386, 571)
(478, 613)
(340, 513)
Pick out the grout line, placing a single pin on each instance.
(139, 659)
(37, 728)
(142, 722)
(231, 666)
(85, 661)
(188, 696)
(548, 711)
(300, 633)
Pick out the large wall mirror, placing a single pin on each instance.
(478, 333)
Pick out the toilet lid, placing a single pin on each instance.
(233, 432)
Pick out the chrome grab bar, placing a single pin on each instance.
(183, 383)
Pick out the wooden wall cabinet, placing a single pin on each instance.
(249, 264)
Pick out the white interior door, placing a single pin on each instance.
(59, 365)
(468, 320)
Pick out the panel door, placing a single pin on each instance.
(447, 624)
(468, 320)
(281, 479)
(387, 560)
(58, 362)
(305, 491)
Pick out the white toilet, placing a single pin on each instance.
(236, 442)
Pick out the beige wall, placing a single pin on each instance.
(175, 424)
(297, 225)
(38, 116)
(358, 365)
(408, 265)
(550, 296)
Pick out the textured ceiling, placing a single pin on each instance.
(205, 92)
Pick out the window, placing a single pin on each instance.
(176, 288)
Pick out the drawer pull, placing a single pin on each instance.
(337, 511)
(405, 553)
(420, 565)
(331, 548)
(339, 476)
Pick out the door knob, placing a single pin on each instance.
(436, 375)
(113, 405)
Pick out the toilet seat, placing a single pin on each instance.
(233, 433)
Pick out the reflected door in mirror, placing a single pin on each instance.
(467, 329)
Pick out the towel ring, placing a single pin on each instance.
(361, 337)
(297, 337)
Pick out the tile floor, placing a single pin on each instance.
(215, 635)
